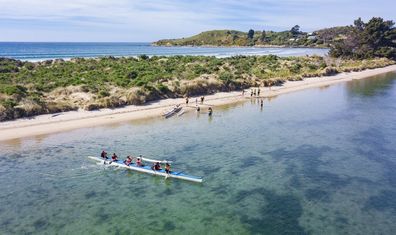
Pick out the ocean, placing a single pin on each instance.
(39, 51)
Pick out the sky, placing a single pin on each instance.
(150, 20)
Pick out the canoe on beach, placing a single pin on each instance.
(148, 170)
(172, 112)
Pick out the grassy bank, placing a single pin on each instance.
(28, 88)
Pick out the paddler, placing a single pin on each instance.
(128, 161)
(139, 161)
(168, 168)
(114, 158)
(104, 155)
(156, 166)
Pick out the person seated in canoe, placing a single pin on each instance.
(156, 166)
(128, 161)
(168, 168)
(139, 161)
(114, 158)
(104, 155)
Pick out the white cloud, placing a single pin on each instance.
(139, 20)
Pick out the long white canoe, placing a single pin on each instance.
(148, 170)
(172, 112)
(155, 161)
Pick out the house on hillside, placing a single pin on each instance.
(312, 37)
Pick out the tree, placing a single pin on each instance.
(143, 57)
(377, 38)
(263, 35)
(295, 30)
(359, 24)
(250, 34)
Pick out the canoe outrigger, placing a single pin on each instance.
(172, 111)
(148, 170)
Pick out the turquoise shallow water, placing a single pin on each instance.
(318, 161)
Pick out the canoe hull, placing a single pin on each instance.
(148, 170)
(172, 112)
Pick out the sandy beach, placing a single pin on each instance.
(52, 123)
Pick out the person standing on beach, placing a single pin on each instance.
(243, 92)
(202, 99)
(251, 92)
(187, 101)
(258, 92)
(210, 111)
(262, 103)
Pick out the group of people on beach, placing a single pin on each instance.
(197, 107)
(139, 162)
(196, 100)
(253, 92)
(256, 93)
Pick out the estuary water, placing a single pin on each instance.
(318, 161)
(38, 51)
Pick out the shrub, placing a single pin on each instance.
(143, 57)
(163, 88)
(13, 89)
(295, 68)
(9, 103)
(132, 75)
(103, 93)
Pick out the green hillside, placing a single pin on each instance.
(292, 38)
(213, 37)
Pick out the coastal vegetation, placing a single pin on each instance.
(28, 88)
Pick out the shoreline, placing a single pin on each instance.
(236, 46)
(66, 121)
